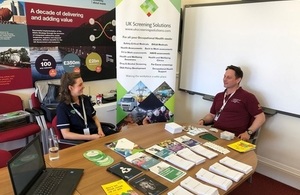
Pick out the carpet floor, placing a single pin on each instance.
(263, 185)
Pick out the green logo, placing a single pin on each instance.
(149, 7)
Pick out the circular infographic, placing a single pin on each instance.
(44, 63)
(98, 157)
(52, 72)
(93, 62)
(71, 62)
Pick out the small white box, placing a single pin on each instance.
(227, 135)
(173, 128)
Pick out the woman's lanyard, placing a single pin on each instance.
(224, 104)
(84, 113)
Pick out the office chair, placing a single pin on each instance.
(64, 143)
(5, 157)
(35, 104)
(11, 103)
(254, 137)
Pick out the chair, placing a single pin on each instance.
(11, 103)
(254, 137)
(5, 157)
(66, 142)
(36, 105)
(42, 88)
(63, 143)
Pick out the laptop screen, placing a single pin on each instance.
(26, 166)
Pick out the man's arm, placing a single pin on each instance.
(208, 119)
(256, 124)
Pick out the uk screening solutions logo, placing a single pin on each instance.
(149, 7)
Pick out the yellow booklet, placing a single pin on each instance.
(119, 187)
(242, 146)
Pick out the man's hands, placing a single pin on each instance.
(244, 136)
(201, 122)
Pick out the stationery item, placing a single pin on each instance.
(167, 171)
(214, 179)
(29, 175)
(98, 157)
(124, 171)
(197, 187)
(159, 151)
(242, 146)
(179, 191)
(226, 172)
(187, 141)
(124, 147)
(237, 165)
(188, 154)
(216, 147)
(180, 162)
(124, 143)
(199, 149)
(148, 185)
(142, 160)
(119, 187)
(208, 136)
(195, 130)
(171, 145)
(227, 135)
(173, 127)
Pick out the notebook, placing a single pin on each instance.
(27, 170)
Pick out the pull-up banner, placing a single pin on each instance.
(146, 45)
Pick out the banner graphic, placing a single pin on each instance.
(147, 43)
(41, 40)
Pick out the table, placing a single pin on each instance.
(145, 136)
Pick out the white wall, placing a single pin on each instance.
(278, 143)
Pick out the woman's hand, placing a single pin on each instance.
(94, 136)
(100, 132)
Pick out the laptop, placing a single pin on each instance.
(28, 173)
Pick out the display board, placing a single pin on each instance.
(260, 37)
(42, 40)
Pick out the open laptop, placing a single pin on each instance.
(28, 171)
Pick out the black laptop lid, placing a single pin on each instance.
(26, 166)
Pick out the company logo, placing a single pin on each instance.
(149, 7)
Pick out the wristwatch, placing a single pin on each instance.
(249, 132)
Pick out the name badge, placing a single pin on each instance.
(217, 116)
(86, 131)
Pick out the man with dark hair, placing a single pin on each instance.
(235, 109)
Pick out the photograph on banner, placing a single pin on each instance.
(62, 37)
(140, 106)
(15, 72)
(147, 59)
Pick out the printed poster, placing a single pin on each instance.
(42, 40)
(147, 45)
